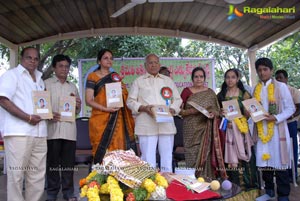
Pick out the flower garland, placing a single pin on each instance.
(266, 157)
(270, 125)
(242, 124)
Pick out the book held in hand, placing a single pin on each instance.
(162, 114)
(232, 109)
(114, 94)
(67, 108)
(255, 109)
(42, 104)
(199, 108)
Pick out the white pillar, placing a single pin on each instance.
(251, 63)
(13, 56)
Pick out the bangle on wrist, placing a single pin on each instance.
(29, 121)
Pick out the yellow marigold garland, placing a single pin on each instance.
(266, 157)
(271, 98)
(242, 124)
(116, 193)
(149, 185)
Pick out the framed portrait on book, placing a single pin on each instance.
(67, 108)
(42, 104)
(232, 109)
(114, 94)
(255, 109)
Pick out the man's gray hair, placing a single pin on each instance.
(149, 55)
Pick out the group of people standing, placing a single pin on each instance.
(37, 149)
(232, 154)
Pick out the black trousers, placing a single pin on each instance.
(60, 168)
(282, 181)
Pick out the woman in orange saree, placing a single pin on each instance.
(110, 128)
(201, 137)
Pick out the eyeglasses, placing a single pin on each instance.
(153, 63)
(29, 58)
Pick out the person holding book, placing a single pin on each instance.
(147, 91)
(61, 134)
(273, 144)
(282, 76)
(110, 128)
(238, 148)
(200, 133)
(25, 134)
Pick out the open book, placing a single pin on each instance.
(255, 109)
(232, 109)
(42, 104)
(199, 108)
(67, 108)
(114, 94)
(194, 184)
(162, 114)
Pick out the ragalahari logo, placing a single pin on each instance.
(233, 13)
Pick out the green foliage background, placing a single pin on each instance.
(285, 53)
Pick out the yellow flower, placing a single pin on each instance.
(271, 93)
(270, 125)
(160, 180)
(266, 157)
(93, 194)
(104, 189)
(83, 191)
(149, 185)
(270, 131)
(242, 124)
(91, 175)
(115, 191)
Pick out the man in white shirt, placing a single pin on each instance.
(147, 91)
(24, 133)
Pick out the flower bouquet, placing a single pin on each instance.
(123, 175)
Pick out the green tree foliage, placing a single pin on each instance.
(226, 57)
(285, 54)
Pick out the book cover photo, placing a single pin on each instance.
(42, 104)
(67, 108)
(232, 109)
(162, 114)
(255, 109)
(114, 94)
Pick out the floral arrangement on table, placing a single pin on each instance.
(123, 175)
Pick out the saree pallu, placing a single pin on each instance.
(201, 138)
(117, 123)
